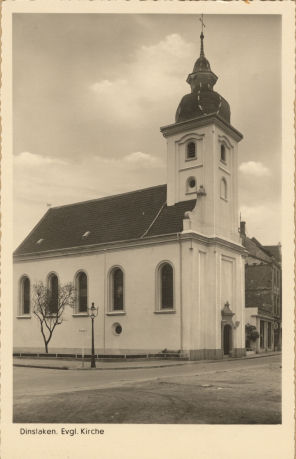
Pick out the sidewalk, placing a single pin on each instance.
(58, 364)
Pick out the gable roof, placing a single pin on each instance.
(275, 251)
(123, 217)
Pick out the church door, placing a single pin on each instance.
(227, 339)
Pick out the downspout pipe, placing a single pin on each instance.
(104, 323)
(181, 295)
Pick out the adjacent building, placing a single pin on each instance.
(263, 281)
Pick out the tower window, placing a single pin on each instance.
(223, 189)
(191, 185)
(191, 150)
(223, 153)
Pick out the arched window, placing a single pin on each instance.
(223, 153)
(166, 287)
(82, 292)
(25, 296)
(191, 150)
(223, 189)
(54, 288)
(117, 289)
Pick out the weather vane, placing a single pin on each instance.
(202, 23)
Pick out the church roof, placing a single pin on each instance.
(135, 215)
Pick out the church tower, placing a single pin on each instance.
(202, 156)
(202, 165)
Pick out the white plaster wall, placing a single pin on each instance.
(227, 220)
(219, 217)
(142, 328)
(203, 297)
(179, 169)
(207, 285)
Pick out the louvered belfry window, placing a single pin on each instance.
(191, 150)
(26, 296)
(118, 290)
(54, 294)
(82, 281)
(167, 297)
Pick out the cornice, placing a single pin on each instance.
(96, 248)
(176, 128)
(131, 244)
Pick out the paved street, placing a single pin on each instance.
(238, 391)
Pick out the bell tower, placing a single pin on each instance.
(202, 156)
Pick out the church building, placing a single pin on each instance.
(164, 265)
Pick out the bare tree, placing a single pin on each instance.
(49, 307)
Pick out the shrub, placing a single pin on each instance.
(251, 334)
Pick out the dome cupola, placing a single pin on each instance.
(203, 100)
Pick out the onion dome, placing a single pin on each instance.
(202, 100)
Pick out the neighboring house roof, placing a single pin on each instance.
(275, 251)
(127, 216)
(261, 247)
(257, 252)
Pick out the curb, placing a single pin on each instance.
(256, 356)
(41, 366)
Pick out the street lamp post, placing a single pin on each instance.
(93, 313)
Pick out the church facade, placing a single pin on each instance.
(164, 265)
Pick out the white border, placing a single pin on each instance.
(151, 441)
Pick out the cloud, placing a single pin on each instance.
(152, 79)
(256, 169)
(106, 86)
(39, 180)
(143, 159)
(133, 160)
(27, 159)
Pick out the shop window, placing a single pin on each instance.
(261, 334)
(269, 335)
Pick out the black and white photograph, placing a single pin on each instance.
(151, 168)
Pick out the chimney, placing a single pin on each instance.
(280, 250)
(242, 228)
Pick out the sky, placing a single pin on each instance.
(91, 91)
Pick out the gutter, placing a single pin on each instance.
(104, 323)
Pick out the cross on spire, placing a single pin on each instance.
(202, 37)
(202, 24)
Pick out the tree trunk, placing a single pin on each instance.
(46, 347)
